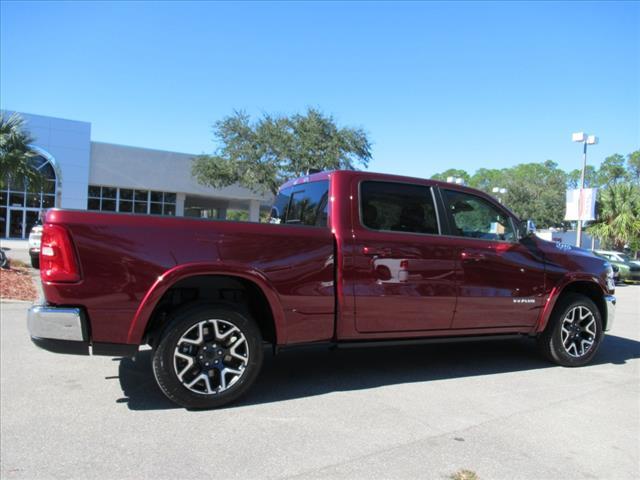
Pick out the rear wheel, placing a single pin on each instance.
(574, 332)
(35, 261)
(208, 356)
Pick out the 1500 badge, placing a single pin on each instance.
(563, 246)
(524, 300)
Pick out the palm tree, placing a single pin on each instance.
(15, 154)
(618, 217)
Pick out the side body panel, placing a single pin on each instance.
(126, 259)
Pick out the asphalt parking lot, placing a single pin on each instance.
(414, 412)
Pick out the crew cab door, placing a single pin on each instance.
(500, 280)
(403, 269)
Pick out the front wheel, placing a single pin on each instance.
(208, 356)
(574, 332)
(35, 261)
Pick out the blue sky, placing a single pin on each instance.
(435, 85)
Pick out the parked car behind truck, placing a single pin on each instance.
(349, 259)
(35, 235)
(629, 269)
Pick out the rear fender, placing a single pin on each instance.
(180, 272)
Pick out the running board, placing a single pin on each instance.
(422, 341)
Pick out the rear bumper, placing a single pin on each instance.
(65, 330)
(610, 300)
(59, 330)
(57, 323)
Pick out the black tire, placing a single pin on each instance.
(4, 261)
(35, 261)
(188, 319)
(550, 342)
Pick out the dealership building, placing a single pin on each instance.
(87, 175)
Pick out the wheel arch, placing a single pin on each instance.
(584, 286)
(257, 285)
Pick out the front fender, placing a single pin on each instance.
(557, 291)
(169, 278)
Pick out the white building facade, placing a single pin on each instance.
(87, 175)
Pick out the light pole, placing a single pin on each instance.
(581, 137)
(499, 190)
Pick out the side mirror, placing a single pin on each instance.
(530, 227)
(527, 228)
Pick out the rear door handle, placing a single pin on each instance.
(378, 252)
(472, 256)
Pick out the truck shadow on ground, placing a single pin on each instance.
(311, 371)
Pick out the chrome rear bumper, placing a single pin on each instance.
(57, 323)
(65, 330)
(59, 329)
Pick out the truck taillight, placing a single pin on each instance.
(58, 262)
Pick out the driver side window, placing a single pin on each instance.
(475, 217)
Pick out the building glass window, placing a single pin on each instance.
(129, 200)
(140, 207)
(93, 204)
(21, 204)
(126, 200)
(169, 209)
(156, 209)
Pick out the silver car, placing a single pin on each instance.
(34, 245)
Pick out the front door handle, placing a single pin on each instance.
(377, 252)
(472, 256)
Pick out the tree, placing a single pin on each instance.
(486, 179)
(618, 216)
(452, 172)
(264, 154)
(15, 154)
(591, 178)
(537, 191)
(612, 170)
(633, 166)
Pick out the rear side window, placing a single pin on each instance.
(475, 217)
(280, 206)
(304, 204)
(398, 207)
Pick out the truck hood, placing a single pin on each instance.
(565, 259)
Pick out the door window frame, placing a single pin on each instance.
(451, 221)
(436, 207)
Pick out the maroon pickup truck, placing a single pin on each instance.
(347, 259)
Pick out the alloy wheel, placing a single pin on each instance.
(211, 356)
(578, 332)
